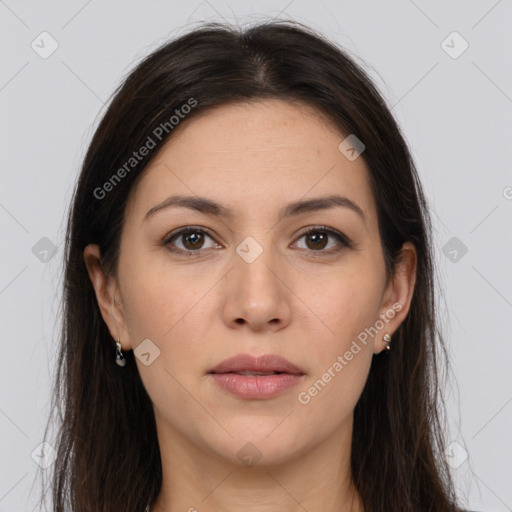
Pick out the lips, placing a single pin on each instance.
(245, 364)
(256, 378)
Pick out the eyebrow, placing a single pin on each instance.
(209, 207)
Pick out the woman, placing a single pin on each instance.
(249, 315)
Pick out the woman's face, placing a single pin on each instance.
(245, 279)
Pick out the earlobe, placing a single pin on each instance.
(398, 295)
(105, 288)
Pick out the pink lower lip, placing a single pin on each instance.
(254, 386)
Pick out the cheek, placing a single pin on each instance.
(329, 398)
(346, 301)
(342, 361)
(165, 307)
(159, 301)
(347, 306)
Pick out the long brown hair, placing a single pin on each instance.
(108, 456)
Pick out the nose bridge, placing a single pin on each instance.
(253, 262)
(255, 293)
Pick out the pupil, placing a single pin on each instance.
(193, 241)
(319, 240)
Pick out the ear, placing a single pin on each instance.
(396, 300)
(107, 295)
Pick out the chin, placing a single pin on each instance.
(251, 446)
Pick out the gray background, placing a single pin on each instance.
(455, 114)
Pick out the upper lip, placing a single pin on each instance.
(264, 363)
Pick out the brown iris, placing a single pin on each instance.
(319, 240)
(193, 240)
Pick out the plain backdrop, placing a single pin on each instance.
(443, 67)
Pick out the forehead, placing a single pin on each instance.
(253, 155)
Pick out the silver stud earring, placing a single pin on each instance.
(387, 339)
(120, 360)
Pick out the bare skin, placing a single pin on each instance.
(305, 297)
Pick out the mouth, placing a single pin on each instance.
(256, 378)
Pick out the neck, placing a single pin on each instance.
(317, 479)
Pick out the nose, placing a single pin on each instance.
(257, 296)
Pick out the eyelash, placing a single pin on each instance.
(343, 239)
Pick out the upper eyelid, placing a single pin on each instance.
(185, 229)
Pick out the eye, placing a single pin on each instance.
(320, 239)
(191, 239)
(323, 239)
